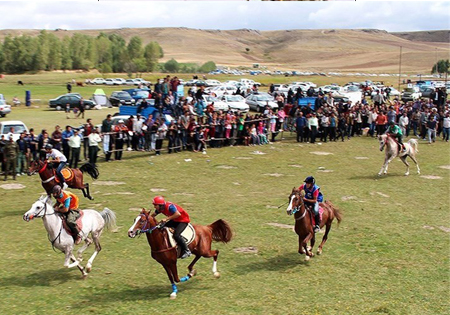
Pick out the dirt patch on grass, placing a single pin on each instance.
(427, 227)
(296, 166)
(119, 193)
(107, 183)
(226, 167)
(280, 225)
(184, 194)
(274, 175)
(271, 207)
(347, 198)
(445, 229)
(157, 189)
(258, 152)
(431, 177)
(445, 167)
(321, 153)
(379, 193)
(325, 171)
(246, 250)
(12, 186)
(361, 157)
(135, 209)
(244, 158)
(237, 184)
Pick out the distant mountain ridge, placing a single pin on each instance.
(345, 50)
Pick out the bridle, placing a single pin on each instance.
(299, 206)
(45, 213)
(147, 222)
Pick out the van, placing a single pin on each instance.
(17, 125)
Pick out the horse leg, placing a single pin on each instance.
(324, 238)
(403, 158)
(389, 160)
(88, 195)
(192, 271)
(98, 248)
(305, 246)
(84, 192)
(174, 271)
(300, 246)
(415, 161)
(384, 167)
(168, 270)
(88, 242)
(313, 241)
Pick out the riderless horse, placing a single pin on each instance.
(92, 223)
(393, 150)
(74, 176)
(166, 254)
(304, 226)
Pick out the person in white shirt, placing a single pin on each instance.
(75, 146)
(94, 139)
(403, 122)
(56, 157)
(313, 125)
(446, 126)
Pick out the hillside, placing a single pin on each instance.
(317, 50)
(426, 36)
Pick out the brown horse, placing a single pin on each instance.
(48, 176)
(303, 222)
(167, 255)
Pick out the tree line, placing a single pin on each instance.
(106, 53)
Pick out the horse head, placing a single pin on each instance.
(295, 201)
(142, 223)
(382, 139)
(35, 166)
(39, 208)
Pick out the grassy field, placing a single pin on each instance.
(390, 255)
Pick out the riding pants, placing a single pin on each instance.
(61, 165)
(71, 219)
(179, 228)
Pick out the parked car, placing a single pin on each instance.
(109, 82)
(223, 89)
(138, 81)
(118, 98)
(119, 81)
(411, 94)
(129, 82)
(212, 83)
(426, 91)
(138, 94)
(98, 81)
(4, 108)
(258, 102)
(17, 125)
(235, 102)
(60, 102)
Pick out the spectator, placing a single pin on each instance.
(88, 128)
(23, 154)
(69, 87)
(66, 134)
(74, 143)
(32, 141)
(313, 125)
(431, 128)
(106, 133)
(57, 138)
(160, 136)
(81, 108)
(2, 156)
(446, 126)
(94, 139)
(121, 131)
(10, 154)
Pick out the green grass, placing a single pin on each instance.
(390, 255)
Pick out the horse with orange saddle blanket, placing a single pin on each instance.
(72, 176)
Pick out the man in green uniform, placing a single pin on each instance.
(396, 132)
(10, 153)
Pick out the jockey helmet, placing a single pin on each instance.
(56, 190)
(159, 200)
(310, 179)
(48, 146)
(392, 123)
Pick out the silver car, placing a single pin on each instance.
(258, 102)
(4, 108)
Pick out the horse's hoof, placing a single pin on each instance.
(216, 275)
(319, 252)
(84, 276)
(307, 258)
(193, 272)
(88, 269)
(173, 296)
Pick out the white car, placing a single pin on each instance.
(213, 83)
(130, 82)
(98, 81)
(328, 88)
(235, 102)
(258, 102)
(140, 81)
(352, 92)
(109, 82)
(119, 81)
(221, 90)
(17, 125)
(4, 108)
(218, 104)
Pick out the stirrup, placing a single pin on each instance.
(316, 229)
(186, 254)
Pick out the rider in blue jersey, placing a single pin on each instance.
(312, 198)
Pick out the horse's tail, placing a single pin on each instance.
(110, 218)
(414, 144)
(221, 231)
(337, 213)
(90, 169)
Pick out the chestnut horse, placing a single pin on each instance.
(303, 222)
(166, 255)
(48, 176)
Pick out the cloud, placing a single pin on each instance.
(387, 15)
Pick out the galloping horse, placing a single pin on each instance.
(48, 177)
(167, 255)
(392, 151)
(303, 222)
(93, 223)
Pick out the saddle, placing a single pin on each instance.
(66, 172)
(188, 234)
(79, 223)
(312, 216)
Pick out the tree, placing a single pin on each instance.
(442, 66)
(55, 54)
(208, 67)
(135, 48)
(152, 53)
(66, 60)
(2, 59)
(172, 66)
(119, 53)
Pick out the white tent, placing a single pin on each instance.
(100, 98)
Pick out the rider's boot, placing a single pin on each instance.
(317, 226)
(65, 186)
(185, 252)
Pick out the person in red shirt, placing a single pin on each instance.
(381, 122)
(177, 218)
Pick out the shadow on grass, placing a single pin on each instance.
(278, 263)
(43, 278)
(144, 293)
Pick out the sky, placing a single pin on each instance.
(392, 16)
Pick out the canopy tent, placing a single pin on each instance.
(100, 98)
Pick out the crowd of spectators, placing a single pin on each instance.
(196, 126)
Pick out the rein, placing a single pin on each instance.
(60, 230)
(297, 209)
(149, 231)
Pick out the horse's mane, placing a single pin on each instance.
(46, 199)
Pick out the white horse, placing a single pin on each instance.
(93, 223)
(392, 151)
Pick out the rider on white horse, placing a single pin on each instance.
(395, 131)
(177, 218)
(312, 198)
(68, 205)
